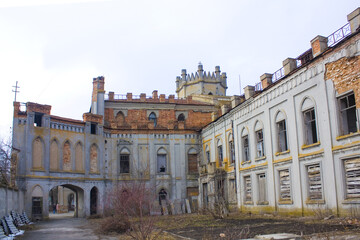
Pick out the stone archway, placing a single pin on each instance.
(93, 200)
(65, 198)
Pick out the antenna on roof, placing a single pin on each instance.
(16, 89)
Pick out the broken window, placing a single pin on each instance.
(262, 187)
(352, 174)
(181, 117)
(285, 187)
(315, 185)
(220, 155)
(259, 144)
(310, 127)
(152, 117)
(348, 113)
(93, 128)
(208, 156)
(124, 163)
(38, 119)
(232, 150)
(248, 190)
(282, 138)
(161, 161)
(246, 155)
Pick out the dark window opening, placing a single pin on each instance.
(348, 114)
(161, 163)
(245, 141)
(208, 156)
(152, 117)
(282, 138)
(181, 117)
(162, 196)
(93, 128)
(310, 126)
(232, 152)
(259, 144)
(210, 93)
(220, 155)
(38, 119)
(124, 163)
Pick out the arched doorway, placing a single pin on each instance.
(66, 201)
(93, 201)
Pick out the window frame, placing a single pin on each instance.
(310, 126)
(344, 114)
(261, 142)
(309, 184)
(245, 148)
(128, 160)
(282, 134)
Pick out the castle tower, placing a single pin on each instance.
(98, 94)
(201, 83)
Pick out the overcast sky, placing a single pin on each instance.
(55, 48)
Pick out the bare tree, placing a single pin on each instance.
(220, 206)
(132, 202)
(5, 162)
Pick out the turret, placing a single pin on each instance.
(97, 102)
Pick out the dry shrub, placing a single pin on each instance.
(118, 224)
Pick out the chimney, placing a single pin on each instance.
(129, 96)
(162, 97)
(224, 109)
(142, 97)
(319, 45)
(354, 20)
(235, 100)
(249, 91)
(289, 65)
(155, 94)
(266, 80)
(111, 96)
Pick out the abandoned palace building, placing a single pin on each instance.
(290, 144)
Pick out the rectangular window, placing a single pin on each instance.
(310, 127)
(93, 128)
(192, 164)
(352, 174)
(248, 190)
(315, 185)
(161, 163)
(38, 119)
(282, 138)
(232, 152)
(124, 163)
(259, 144)
(285, 186)
(262, 188)
(245, 141)
(348, 113)
(220, 155)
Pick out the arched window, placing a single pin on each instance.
(38, 153)
(93, 158)
(152, 117)
(245, 145)
(282, 143)
(220, 152)
(210, 93)
(310, 130)
(161, 161)
(54, 155)
(207, 153)
(79, 159)
(124, 160)
(192, 161)
(260, 151)
(181, 117)
(67, 164)
(120, 118)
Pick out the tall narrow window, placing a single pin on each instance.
(208, 156)
(161, 161)
(348, 113)
(310, 126)
(282, 137)
(93, 128)
(315, 185)
(232, 150)
(262, 188)
(285, 185)
(248, 189)
(152, 117)
(246, 154)
(38, 119)
(124, 163)
(220, 154)
(205, 194)
(192, 161)
(259, 144)
(352, 174)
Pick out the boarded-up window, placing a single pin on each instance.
(352, 174)
(348, 113)
(79, 160)
(93, 159)
(315, 185)
(262, 187)
(192, 164)
(67, 164)
(38, 154)
(248, 189)
(285, 185)
(54, 155)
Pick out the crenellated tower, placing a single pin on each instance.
(201, 83)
